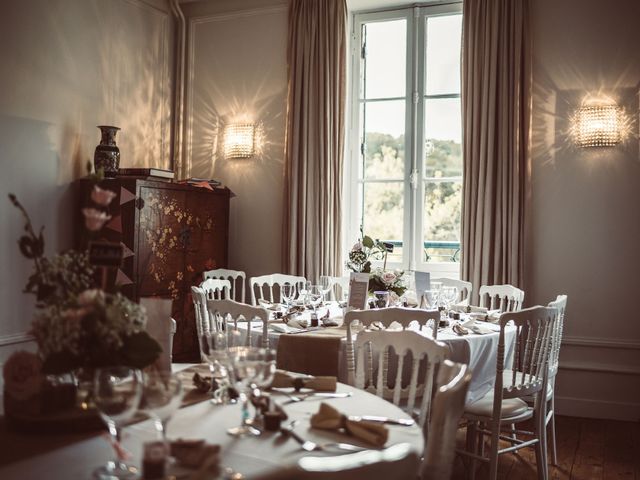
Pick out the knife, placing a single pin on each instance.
(405, 422)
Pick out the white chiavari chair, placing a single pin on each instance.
(231, 314)
(339, 287)
(464, 288)
(203, 327)
(262, 286)
(216, 289)
(236, 278)
(507, 298)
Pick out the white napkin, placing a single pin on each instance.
(283, 328)
(477, 327)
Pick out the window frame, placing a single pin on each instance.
(414, 179)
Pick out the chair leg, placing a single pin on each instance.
(472, 443)
(541, 445)
(493, 463)
(554, 455)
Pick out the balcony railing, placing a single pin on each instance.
(436, 250)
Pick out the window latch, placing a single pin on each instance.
(413, 179)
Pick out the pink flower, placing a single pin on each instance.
(101, 196)
(388, 278)
(22, 375)
(357, 247)
(94, 219)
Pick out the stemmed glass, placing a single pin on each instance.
(264, 378)
(288, 293)
(116, 393)
(217, 355)
(315, 296)
(325, 283)
(161, 396)
(449, 295)
(432, 297)
(246, 367)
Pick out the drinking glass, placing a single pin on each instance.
(162, 394)
(432, 297)
(449, 295)
(216, 353)
(263, 379)
(325, 284)
(246, 363)
(116, 393)
(288, 293)
(315, 296)
(381, 298)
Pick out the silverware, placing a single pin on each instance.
(300, 398)
(310, 446)
(405, 422)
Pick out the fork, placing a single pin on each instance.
(295, 398)
(310, 446)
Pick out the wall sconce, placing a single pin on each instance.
(239, 140)
(598, 125)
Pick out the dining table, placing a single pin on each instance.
(240, 457)
(477, 349)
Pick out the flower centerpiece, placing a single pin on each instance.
(363, 253)
(76, 325)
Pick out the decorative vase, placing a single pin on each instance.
(107, 155)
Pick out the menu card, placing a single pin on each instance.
(423, 282)
(358, 291)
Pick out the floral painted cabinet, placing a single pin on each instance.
(170, 233)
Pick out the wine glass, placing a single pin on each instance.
(432, 297)
(162, 394)
(246, 366)
(325, 283)
(264, 378)
(449, 295)
(217, 356)
(288, 293)
(315, 296)
(116, 393)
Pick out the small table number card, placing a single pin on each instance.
(358, 291)
(423, 282)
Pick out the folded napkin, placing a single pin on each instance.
(464, 308)
(328, 418)
(283, 379)
(477, 327)
(283, 328)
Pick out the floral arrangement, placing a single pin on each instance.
(76, 325)
(363, 253)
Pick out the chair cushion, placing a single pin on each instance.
(483, 407)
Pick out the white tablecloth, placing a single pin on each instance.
(248, 455)
(477, 351)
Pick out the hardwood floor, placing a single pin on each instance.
(588, 449)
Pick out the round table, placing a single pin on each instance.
(250, 456)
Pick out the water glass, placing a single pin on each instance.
(246, 363)
(381, 298)
(162, 394)
(325, 284)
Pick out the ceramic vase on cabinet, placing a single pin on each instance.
(107, 155)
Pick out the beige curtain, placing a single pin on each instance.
(496, 109)
(315, 136)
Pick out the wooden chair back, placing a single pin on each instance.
(560, 304)
(446, 410)
(262, 287)
(384, 317)
(465, 289)
(216, 289)
(236, 278)
(418, 392)
(228, 314)
(507, 298)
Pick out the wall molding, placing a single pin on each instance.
(15, 338)
(592, 408)
(599, 367)
(192, 23)
(614, 343)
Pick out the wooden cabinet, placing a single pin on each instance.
(170, 233)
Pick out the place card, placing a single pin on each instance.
(423, 282)
(358, 291)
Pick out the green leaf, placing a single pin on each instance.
(366, 268)
(367, 241)
(140, 350)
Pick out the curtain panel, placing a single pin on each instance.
(315, 137)
(496, 112)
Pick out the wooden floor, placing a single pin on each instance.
(587, 449)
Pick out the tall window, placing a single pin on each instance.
(405, 136)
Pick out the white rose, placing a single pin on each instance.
(388, 278)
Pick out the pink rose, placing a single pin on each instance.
(22, 375)
(357, 247)
(94, 219)
(388, 278)
(102, 196)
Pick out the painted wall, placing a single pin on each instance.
(238, 72)
(67, 66)
(585, 225)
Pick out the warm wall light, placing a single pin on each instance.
(598, 125)
(239, 140)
